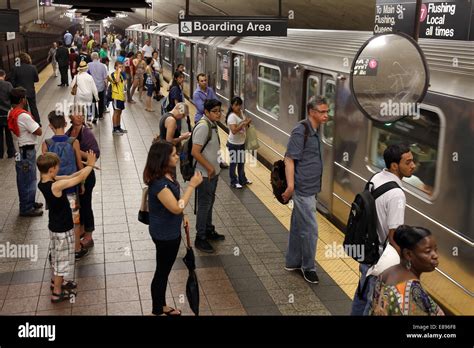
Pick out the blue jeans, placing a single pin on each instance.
(26, 179)
(303, 233)
(206, 195)
(361, 306)
(237, 160)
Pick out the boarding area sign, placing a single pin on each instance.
(233, 26)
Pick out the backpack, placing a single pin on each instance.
(65, 151)
(186, 163)
(165, 103)
(361, 230)
(108, 97)
(278, 175)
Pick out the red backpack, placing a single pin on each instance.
(13, 119)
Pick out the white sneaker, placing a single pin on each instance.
(248, 182)
(237, 186)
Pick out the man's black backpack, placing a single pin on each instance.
(362, 224)
(278, 175)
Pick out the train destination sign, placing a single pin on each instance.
(395, 15)
(389, 78)
(447, 19)
(233, 26)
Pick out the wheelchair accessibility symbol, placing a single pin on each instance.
(186, 27)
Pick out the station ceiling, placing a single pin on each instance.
(310, 14)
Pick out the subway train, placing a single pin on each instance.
(275, 76)
(37, 45)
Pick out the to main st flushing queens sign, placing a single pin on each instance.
(233, 26)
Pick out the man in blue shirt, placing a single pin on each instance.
(68, 38)
(304, 169)
(98, 71)
(202, 93)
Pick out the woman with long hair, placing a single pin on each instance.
(166, 216)
(398, 290)
(139, 72)
(150, 81)
(237, 124)
(176, 90)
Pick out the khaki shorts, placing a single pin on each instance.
(62, 253)
(74, 204)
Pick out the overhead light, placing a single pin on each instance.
(121, 15)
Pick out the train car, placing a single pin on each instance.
(275, 76)
(37, 45)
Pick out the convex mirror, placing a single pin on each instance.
(389, 77)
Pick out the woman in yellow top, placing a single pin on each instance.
(398, 290)
(118, 98)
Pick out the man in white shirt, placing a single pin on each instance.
(390, 208)
(147, 49)
(118, 45)
(27, 130)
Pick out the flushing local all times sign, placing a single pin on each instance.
(233, 26)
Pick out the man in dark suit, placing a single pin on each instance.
(62, 57)
(25, 75)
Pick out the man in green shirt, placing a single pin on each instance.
(103, 53)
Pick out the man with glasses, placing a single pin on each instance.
(205, 150)
(303, 169)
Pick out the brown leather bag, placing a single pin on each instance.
(74, 89)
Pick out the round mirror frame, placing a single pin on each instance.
(356, 57)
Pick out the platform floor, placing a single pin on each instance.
(244, 277)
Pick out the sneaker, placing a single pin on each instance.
(237, 186)
(94, 121)
(223, 165)
(203, 245)
(123, 131)
(248, 182)
(38, 205)
(33, 213)
(117, 132)
(311, 277)
(291, 269)
(215, 236)
(80, 254)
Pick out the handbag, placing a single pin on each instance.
(143, 213)
(251, 138)
(74, 89)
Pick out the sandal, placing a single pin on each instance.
(63, 296)
(87, 244)
(169, 313)
(66, 285)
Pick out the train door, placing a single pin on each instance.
(238, 77)
(223, 78)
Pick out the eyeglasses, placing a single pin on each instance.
(216, 111)
(321, 111)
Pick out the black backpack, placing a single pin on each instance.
(278, 175)
(187, 164)
(361, 228)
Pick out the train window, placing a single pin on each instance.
(181, 53)
(422, 135)
(269, 89)
(328, 127)
(238, 76)
(201, 61)
(222, 82)
(167, 50)
(312, 87)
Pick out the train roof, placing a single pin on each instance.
(451, 62)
